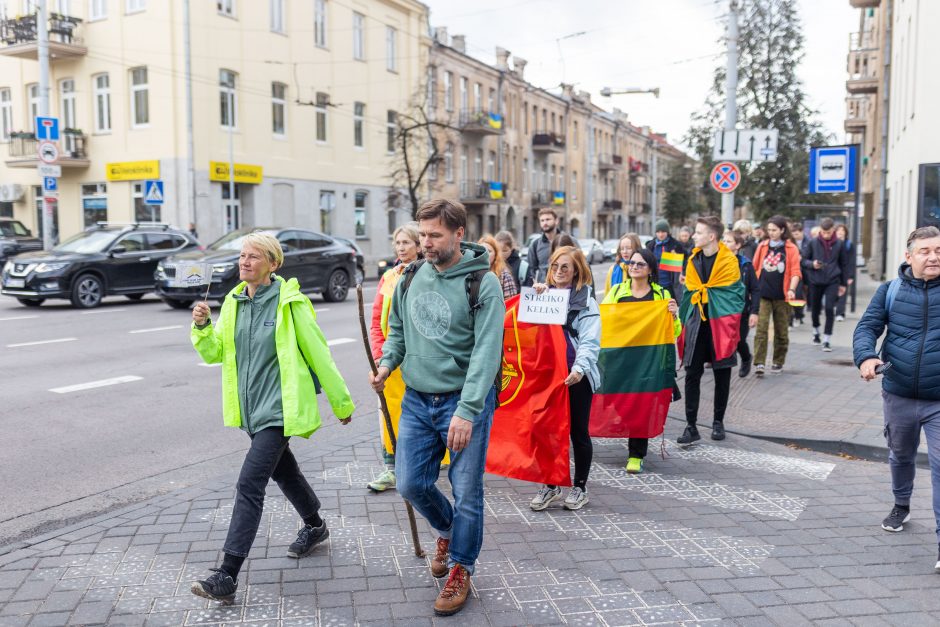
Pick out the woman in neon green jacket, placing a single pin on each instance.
(273, 357)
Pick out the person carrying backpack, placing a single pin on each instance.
(909, 358)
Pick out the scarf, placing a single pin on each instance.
(725, 273)
(828, 245)
(617, 274)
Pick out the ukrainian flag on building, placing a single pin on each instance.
(558, 198)
(495, 120)
(496, 190)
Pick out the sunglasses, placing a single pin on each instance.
(639, 265)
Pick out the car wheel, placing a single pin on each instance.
(31, 302)
(178, 304)
(87, 291)
(135, 296)
(337, 287)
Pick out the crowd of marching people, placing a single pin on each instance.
(437, 340)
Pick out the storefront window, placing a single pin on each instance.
(95, 203)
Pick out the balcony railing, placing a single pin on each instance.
(864, 4)
(612, 205)
(856, 113)
(863, 40)
(23, 150)
(543, 198)
(19, 37)
(863, 72)
(548, 141)
(481, 191)
(609, 162)
(481, 121)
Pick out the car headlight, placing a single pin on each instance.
(222, 268)
(50, 267)
(8, 267)
(382, 264)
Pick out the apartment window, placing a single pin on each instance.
(464, 94)
(226, 7)
(491, 101)
(277, 16)
(327, 206)
(525, 174)
(449, 164)
(360, 213)
(574, 136)
(432, 88)
(449, 91)
(478, 165)
(491, 167)
(478, 96)
(33, 91)
(319, 23)
(67, 103)
(391, 49)
(278, 108)
(359, 114)
(433, 164)
(228, 99)
(95, 203)
(140, 97)
(6, 114)
(323, 100)
(464, 173)
(359, 37)
(97, 9)
(135, 6)
(142, 211)
(391, 125)
(574, 185)
(102, 103)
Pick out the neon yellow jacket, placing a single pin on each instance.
(622, 290)
(301, 349)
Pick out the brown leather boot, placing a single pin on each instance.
(455, 592)
(439, 561)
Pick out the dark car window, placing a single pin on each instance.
(133, 243)
(312, 240)
(290, 239)
(13, 228)
(164, 241)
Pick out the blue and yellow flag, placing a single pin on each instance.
(558, 198)
(495, 120)
(496, 190)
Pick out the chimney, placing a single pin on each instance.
(518, 64)
(502, 58)
(567, 91)
(440, 35)
(585, 96)
(459, 43)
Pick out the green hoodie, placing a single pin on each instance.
(301, 348)
(439, 345)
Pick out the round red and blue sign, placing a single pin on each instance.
(725, 177)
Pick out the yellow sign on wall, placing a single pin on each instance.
(244, 173)
(133, 170)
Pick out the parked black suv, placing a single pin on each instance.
(15, 239)
(101, 261)
(322, 265)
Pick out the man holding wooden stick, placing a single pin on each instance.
(446, 334)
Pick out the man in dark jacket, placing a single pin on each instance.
(826, 269)
(734, 241)
(664, 242)
(541, 249)
(909, 306)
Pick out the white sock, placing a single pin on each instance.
(816, 330)
(826, 338)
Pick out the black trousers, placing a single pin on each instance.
(702, 354)
(579, 399)
(817, 295)
(269, 457)
(743, 349)
(637, 447)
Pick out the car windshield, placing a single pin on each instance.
(13, 227)
(233, 241)
(87, 242)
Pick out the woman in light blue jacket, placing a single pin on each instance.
(568, 269)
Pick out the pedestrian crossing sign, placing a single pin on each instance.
(153, 192)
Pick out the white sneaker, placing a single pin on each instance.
(545, 497)
(840, 318)
(576, 499)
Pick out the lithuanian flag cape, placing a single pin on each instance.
(638, 368)
(724, 295)
(532, 424)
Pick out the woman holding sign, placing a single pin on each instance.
(270, 392)
(569, 270)
(641, 285)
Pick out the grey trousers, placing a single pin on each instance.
(904, 419)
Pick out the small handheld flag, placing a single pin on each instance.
(796, 303)
(671, 262)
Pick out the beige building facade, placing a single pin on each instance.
(300, 96)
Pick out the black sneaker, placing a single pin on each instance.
(896, 519)
(307, 538)
(718, 430)
(219, 586)
(688, 436)
(816, 339)
(827, 348)
(745, 368)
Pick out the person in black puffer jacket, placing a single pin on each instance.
(909, 306)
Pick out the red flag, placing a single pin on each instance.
(532, 425)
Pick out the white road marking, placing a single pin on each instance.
(322, 310)
(95, 384)
(101, 311)
(340, 340)
(61, 339)
(205, 365)
(18, 318)
(175, 326)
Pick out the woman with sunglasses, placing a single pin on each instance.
(641, 285)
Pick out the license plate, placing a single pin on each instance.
(16, 283)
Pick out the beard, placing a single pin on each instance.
(441, 257)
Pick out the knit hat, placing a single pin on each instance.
(661, 225)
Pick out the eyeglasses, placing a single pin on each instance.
(560, 268)
(639, 265)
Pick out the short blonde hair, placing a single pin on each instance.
(744, 227)
(268, 245)
(411, 232)
(582, 271)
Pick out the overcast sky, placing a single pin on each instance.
(670, 44)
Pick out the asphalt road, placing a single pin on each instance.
(71, 451)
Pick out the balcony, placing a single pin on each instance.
(19, 37)
(24, 150)
(611, 206)
(863, 72)
(480, 122)
(856, 113)
(547, 141)
(863, 40)
(481, 192)
(637, 168)
(544, 198)
(608, 162)
(864, 4)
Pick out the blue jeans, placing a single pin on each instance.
(422, 440)
(904, 419)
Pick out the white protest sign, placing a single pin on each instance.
(188, 274)
(549, 307)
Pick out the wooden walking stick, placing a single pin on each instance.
(388, 419)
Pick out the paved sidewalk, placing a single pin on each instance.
(742, 531)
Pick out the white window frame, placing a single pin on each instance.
(391, 49)
(32, 94)
(319, 24)
(134, 6)
(464, 166)
(63, 7)
(279, 100)
(102, 102)
(137, 89)
(322, 129)
(464, 93)
(364, 209)
(391, 126)
(433, 165)
(6, 114)
(226, 8)
(277, 17)
(97, 10)
(477, 96)
(359, 36)
(448, 91)
(449, 164)
(230, 94)
(67, 106)
(359, 122)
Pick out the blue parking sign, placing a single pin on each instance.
(50, 184)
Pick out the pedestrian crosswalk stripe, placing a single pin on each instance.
(95, 384)
(340, 340)
(40, 342)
